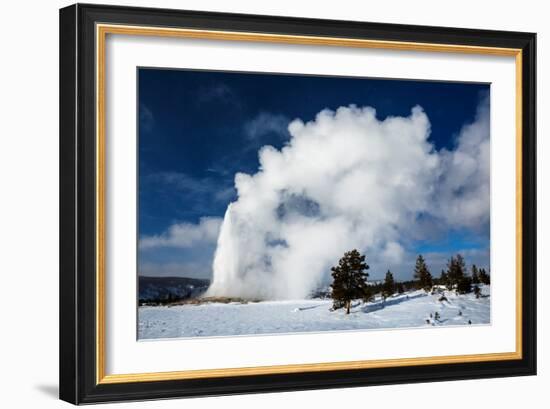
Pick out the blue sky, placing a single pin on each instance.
(197, 129)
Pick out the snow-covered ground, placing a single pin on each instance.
(413, 309)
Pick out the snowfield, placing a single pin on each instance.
(412, 309)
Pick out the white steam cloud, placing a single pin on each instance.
(464, 190)
(345, 180)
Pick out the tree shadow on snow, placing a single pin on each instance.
(379, 305)
(308, 308)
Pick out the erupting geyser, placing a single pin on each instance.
(345, 180)
(227, 280)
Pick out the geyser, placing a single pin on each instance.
(344, 180)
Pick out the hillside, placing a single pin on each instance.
(158, 290)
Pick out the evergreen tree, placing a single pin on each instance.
(422, 274)
(464, 285)
(400, 288)
(389, 285)
(484, 278)
(443, 279)
(475, 275)
(368, 295)
(477, 291)
(349, 280)
(456, 268)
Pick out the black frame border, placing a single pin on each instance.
(78, 197)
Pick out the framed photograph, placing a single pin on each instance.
(257, 203)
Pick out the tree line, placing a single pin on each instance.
(350, 279)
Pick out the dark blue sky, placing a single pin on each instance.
(198, 128)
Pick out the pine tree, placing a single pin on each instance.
(464, 285)
(484, 278)
(349, 280)
(422, 274)
(428, 281)
(443, 279)
(389, 285)
(369, 293)
(477, 291)
(456, 268)
(400, 288)
(475, 275)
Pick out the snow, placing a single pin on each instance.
(412, 309)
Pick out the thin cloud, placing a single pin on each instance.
(184, 183)
(266, 123)
(185, 235)
(199, 194)
(146, 118)
(220, 93)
